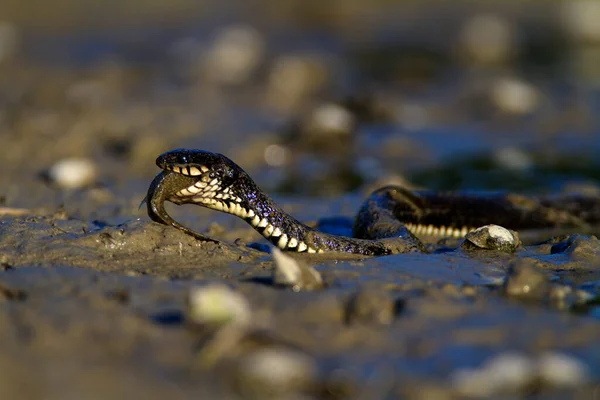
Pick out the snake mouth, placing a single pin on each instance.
(203, 182)
(208, 183)
(187, 169)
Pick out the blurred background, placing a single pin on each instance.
(310, 97)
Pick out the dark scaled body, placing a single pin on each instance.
(386, 223)
(224, 186)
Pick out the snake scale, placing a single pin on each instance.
(388, 222)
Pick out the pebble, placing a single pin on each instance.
(525, 281)
(276, 155)
(508, 373)
(487, 39)
(217, 305)
(73, 173)
(565, 297)
(514, 96)
(492, 237)
(330, 118)
(293, 78)
(274, 372)
(235, 54)
(580, 19)
(562, 370)
(513, 158)
(562, 297)
(372, 306)
(513, 373)
(294, 273)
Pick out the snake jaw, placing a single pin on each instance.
(187, 169)
(203, 165)
(210, 180)
(161, 190)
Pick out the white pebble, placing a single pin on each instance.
(293, 78)
(500, 233)
(514, 96)
(235, 54)
(581, 19)
(331, 118)
(275, 371)
(218, 304)
(492, 237)
(562, 370)
(73, 173)
(504, 373)
(276, 155)
(290, 272)
(513, 158)
(488, 39)
(287, 270)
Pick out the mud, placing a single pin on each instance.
(98, 311)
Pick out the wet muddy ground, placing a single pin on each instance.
(100, 311)
(96, 301)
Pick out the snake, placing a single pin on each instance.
(390, 220)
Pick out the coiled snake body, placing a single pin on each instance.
(386, 223)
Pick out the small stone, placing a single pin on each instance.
(330, 118)
(514, 96)
(487, 39)
(72, 173)
(276, 155)
(581, 20)
(492, 237)
(235, 54)
(562, 296)
(293, 78)
(274, 373)
(371, 306)
(513, 158)
(294, 273)
(217, 305)
(585, 297)
(526, 282)
(562, 370)
(508, 373)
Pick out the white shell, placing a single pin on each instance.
(73, 173)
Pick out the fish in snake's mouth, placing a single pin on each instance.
(214, 182)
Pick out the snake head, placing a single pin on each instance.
(199, 163)
(208, 179)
